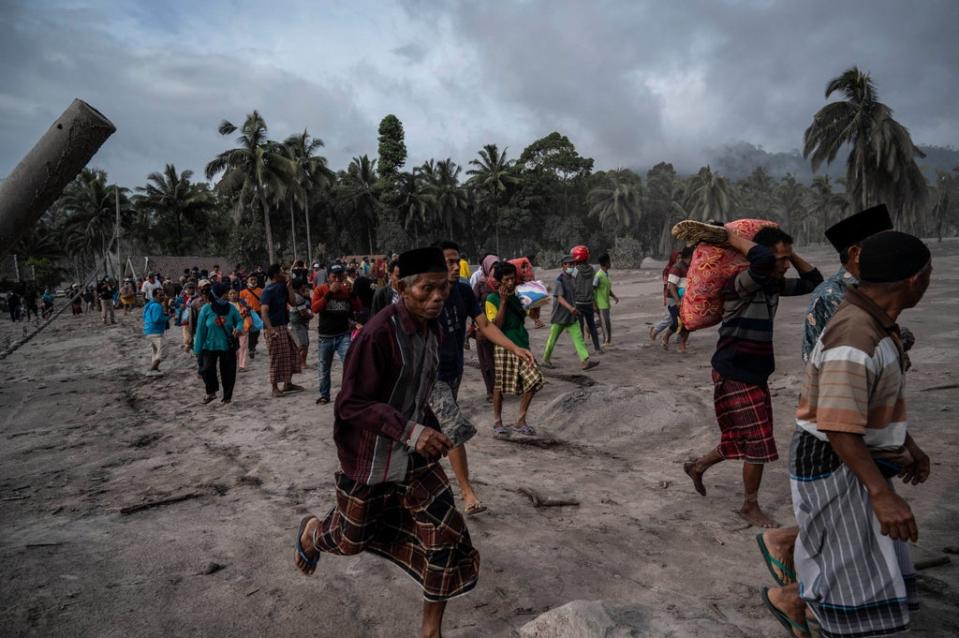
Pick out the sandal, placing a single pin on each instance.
(501, 432)
(525, 429)
(311, 562)
(474, 509)
(787, 577)
(323, 400)
(590, 365)
(208, 398)
(788, 623)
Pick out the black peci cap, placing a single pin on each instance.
(858, 227)
(422, 260)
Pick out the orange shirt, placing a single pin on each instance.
(252, 297)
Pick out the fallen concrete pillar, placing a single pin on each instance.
(51, 164)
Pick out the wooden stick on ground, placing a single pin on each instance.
(540, 501)
(130, 509)
(948, 386)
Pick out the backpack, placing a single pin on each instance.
(583, 284)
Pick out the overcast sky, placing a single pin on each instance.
(631, 83)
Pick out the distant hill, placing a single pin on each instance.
(738, 160)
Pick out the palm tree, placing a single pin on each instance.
(311, 175)
(708, 195)
(665, 193)
(790, 199)
(89, 206)
(492, 175)
(443, 185)
(253, 170)
(881, 152)
(173, 196)
(617, 206)
(414, 203)
(361, 191)
(825, 200)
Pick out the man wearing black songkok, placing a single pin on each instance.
(392, 497)
(853, 570)
(846, 237)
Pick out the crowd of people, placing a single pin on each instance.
(400, 326)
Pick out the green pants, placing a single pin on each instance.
(557, 329)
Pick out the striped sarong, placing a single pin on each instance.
(856, 581)
(415, 525)
(513, 375)
(745, 415)
(284, 359)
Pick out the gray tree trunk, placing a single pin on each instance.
(37, 181)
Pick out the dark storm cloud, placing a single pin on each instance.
(166, 104)
(631, 83)
(752, 71)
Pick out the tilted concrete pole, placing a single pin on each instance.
(51, 164)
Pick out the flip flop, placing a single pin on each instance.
(788, 623)
(525, 429)
(294, 388)
(694, 231)
(474, 509)
(311, 562)
(323, 400)
(501, 431)
(788, 575)
(590, 365)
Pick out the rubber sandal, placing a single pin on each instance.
(590, 365)
(788, 623)
(788, 576)
(501, 432)
(526, 429)
(299, 546)
(474, 509)
(323, 400)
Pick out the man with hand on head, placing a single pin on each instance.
(393, 498)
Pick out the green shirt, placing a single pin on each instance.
(601, 289)
(514, 322)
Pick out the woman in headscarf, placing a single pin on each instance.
(217, 328)
(484, 347)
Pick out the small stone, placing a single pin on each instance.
(212, 568)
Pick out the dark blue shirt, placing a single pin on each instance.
(460, 306)
(275, 296)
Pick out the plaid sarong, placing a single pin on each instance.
(415, 525)
(857, 581)
(284, 359)
(745, 415)
(513, 375)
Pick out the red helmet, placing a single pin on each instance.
(580, 253)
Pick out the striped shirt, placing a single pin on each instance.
(750, 299)
(855, 379)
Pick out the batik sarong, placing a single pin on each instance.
(415, 525)
(745, 415)
(856, 581)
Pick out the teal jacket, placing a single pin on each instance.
(209, 333)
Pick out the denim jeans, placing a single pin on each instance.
(328, 346)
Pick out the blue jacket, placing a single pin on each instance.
(154, 319)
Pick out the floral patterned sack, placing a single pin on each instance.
(709, 269)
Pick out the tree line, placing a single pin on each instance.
(268, 200)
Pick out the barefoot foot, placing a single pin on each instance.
(692, 469)
(754, 515)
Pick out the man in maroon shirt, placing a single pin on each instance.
(392, 497)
